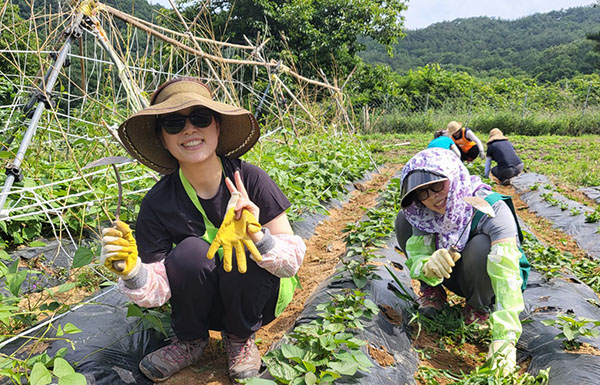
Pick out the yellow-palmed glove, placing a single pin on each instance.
(119, 250)
(233, 234)
(440, 264)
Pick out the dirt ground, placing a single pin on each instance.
(323, 251)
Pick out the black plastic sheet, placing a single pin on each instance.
(585, 234)
(381, 332)
(592, 192)
(546, 300)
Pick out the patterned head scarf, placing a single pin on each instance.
(449, 225)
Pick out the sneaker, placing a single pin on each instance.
(505, 182)
(243, 357)
(476, 315)
(168, 360)
(432, 300)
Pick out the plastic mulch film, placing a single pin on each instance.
(591, 192)
(387, 332)
(546, 300)
(110, 345)
(567, 215)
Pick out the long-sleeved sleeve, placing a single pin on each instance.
(488, 166)
(150, 287)
(285, 255)
(418, 250)
(471, 136)
(504, 271)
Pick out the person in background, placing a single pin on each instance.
(484, 264)
(442, 140)
(207, 200)
(502, 151)
(468, 143)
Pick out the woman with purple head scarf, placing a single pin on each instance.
(449, 244)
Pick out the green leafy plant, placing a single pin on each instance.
(325, 349)
(575, 211)
(593, 216)
(572, 328)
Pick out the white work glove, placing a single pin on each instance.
(440, 264)
(504, 356)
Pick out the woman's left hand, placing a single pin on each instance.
(244, 201)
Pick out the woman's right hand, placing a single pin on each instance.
(440, 264)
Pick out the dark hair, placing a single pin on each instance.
(438, 133)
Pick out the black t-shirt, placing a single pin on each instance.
(168, 216)
(503, 153)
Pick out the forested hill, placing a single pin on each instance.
(549, 46)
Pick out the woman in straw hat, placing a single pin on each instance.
(501, 151)
(484, 264)
(207, 199)
(468, 143)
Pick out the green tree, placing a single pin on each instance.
(316, 33)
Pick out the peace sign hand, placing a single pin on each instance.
(234, 233)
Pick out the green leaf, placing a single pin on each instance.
(83, 256)
(62, 368)
(72, 379)
(69, 328)
(40, 375)
(65, 287)
(37, 244)
(310, 378)
(292, 352)
(347, 368)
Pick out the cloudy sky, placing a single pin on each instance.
(422, 13)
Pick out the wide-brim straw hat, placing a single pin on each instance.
(453, 127)
(239, 129)
(496, 134)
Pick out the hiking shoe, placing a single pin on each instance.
(243, 357)
(476, 315)
(168, 360)
(432, 300)
(505, 182)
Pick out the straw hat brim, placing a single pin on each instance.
(239, 130)
(496, 137)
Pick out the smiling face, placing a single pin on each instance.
(435, 201)
(193, 144)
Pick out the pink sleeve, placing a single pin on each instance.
(285, 258)
(155, 291)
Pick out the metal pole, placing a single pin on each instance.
(13, 171)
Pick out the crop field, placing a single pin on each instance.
(354, 318)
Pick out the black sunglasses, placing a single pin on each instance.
(174, 124)
(423, 193)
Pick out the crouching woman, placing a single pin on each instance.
(484, 264)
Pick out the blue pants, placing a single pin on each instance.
(469, 278)
(204, 297)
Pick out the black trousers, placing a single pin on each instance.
(507, 172)
(470, 155)
(204, 297)
(469, 277)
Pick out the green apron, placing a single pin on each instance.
(286, 285)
